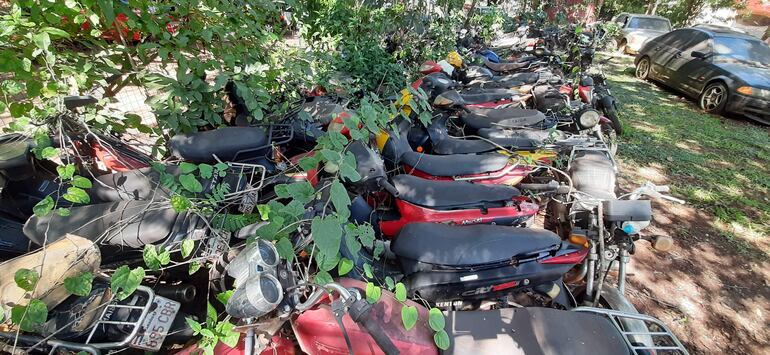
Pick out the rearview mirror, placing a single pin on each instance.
(698, 54)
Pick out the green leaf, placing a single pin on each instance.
(441, 338)
(285, 249)
(193, 267)
(378, 249)
(187, 247)
(373, 293)
(180, 203)
(344, 266)
(211, 314)
(49, 152)
(44, 207)
(42, 41)
(326, 262)
(187, 167)
(368, 271)
(206, 171)
(389, 283)
(222, 169)
(327, 235)
(79, 285)
(30, 316)
(125, 281)
(81, 182)
(264, 212)
(26, 279)
(76, 195)
(301, 191)
(352, 244)
(227, 335)
(26, 64)
(64, 212)
(194, 325)
(400, 292)
(223, 297)
(409, 316)
(436, 319)
(153, 259)
(340, 200)
(323, 278)
(307, 163)
(190, 183)
(66, 172)
(348, 169)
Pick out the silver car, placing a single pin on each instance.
(636, 29)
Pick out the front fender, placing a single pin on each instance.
(606, 102)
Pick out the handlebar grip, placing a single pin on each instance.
(385, 184)
(360, 313)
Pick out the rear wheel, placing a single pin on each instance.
(643, 69)
(714, 98)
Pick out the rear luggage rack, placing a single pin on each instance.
(277, 134)
(651, 335)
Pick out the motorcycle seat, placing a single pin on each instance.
(14, 151)
(449, 194)
(532, 330)
(140, 184)
(506, 67)
(454, 165)
(131, 224)
(455, 145)
(538, 135)
(441, 244)
(501, 117)
(491, 95)
(228, 144)
(322, 109)
(527, 78)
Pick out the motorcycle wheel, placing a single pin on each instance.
(610, 137)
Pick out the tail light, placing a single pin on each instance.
(430, 67)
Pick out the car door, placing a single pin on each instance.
(687, 73)
(661, 50)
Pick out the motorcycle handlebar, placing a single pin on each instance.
(360, 313)
(385, 184)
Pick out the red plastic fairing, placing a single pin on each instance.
(114, 160)
(585, 93)
(317, 331)
(278, 345)
(429, 67)
(512, 177)
(493, 104)
(575, 257)
(416, 84)
(565, 89)
(411, 213)
(338, 124)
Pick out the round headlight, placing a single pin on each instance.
(588, 118)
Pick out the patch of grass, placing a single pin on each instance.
(719, 164)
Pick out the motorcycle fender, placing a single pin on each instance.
(606, 102)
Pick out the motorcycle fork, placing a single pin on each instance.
(625, 257)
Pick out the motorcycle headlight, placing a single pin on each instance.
(588, 118)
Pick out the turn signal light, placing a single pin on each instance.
(745, 90)
(579, 239)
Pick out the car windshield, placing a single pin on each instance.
(647, 23)
(742, 49)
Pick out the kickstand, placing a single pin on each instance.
(339, 308)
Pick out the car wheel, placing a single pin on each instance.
(714, 98)
(643, 69)
(622, 47)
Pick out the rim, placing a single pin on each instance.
(642, 68)
(713, 98)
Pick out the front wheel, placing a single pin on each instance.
(714, 98)
(643, 69)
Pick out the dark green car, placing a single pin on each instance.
(727, 71)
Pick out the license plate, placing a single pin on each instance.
(157, 324)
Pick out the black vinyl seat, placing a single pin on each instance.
(14, 151)
(526, 78)
(492, 95)
(440, 244)
(140, 184)
(454, 145)
(531, 330)
(454, 165)
(228, 144)
(449, 194)
(533, 134)
(507, 66)
(501, 117)
(131, 224)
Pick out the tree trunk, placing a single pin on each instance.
(470, 13)
(652, 7)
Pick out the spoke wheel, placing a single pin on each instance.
(643, 69)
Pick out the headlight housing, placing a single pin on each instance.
(587, 118)
(755, 92)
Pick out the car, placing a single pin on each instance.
(636, 29)
(725, 70)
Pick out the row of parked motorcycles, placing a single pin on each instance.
(512, 142)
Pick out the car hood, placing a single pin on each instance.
(753, 76)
